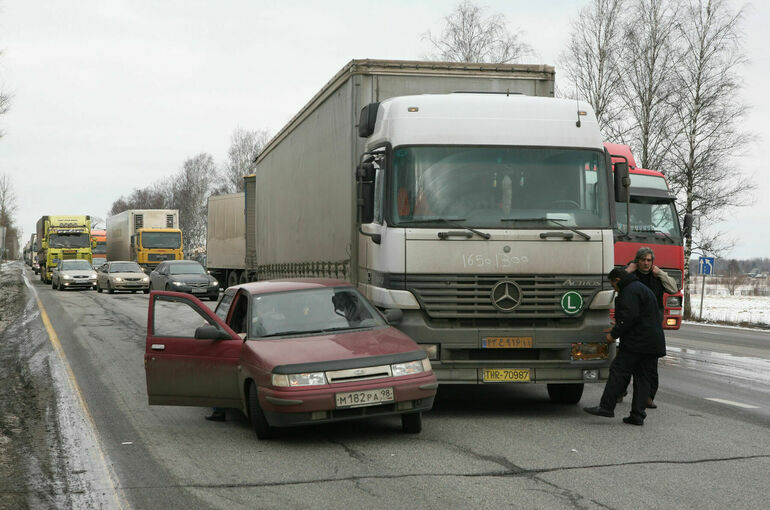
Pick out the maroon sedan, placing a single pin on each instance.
(286, 352)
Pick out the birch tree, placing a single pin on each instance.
(189, 193)
(709, 113)
(591, 60)
(468, 35)
(245, 146)
(5, 103)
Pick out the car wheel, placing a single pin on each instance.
(257, 417)
(411, 423)
(98, 288)
(565, 393)
(146, 291)
(110, 289)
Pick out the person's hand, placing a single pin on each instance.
(607, 330)
(655, 270)
(608, 338)
(631, 267)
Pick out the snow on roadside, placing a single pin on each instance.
(737, 309)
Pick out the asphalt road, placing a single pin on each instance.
(481, 447)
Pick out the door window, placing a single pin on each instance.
(224, 306)
(239, 315)
(177, 317)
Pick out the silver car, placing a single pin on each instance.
(73, 274)
(122, 275)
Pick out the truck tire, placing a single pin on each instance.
(232, 278)
(257, 417)
(565, 393)
(411, 423)
(244, 277)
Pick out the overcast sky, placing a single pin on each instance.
(110, 95)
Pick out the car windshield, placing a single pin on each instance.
(187, 268)
(69, 240)
(492, 186)
(125, 267)
(649, 220)
(315, 311)
(167, 240)
(79, 265)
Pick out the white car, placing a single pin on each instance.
(73, 274)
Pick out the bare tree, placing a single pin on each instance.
(708, 113)
(591, 61)
(189, 192)
(156, 196)
(649, 54)
(8, 203)
(245, 146)
(470, 36)
(733, 277)
(5, 103)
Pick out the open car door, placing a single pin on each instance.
(191, 355)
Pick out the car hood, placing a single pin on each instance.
(77, 272)
(334, 347)
(128, 275)
(189, 278)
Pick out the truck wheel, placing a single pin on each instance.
(244, 277)
(232, 278)
(565, 393)
(411, 423)
(257, 417)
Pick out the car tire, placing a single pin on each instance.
(98, 288)
(214, 298)
(257, 417)
(411, 423)
(146, 291)
(565, 393)
(110, 290)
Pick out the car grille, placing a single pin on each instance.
(80, 277)
(469, 296)
(198, 284)
(132, 279)
(358, 374)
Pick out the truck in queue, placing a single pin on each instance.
(464, 200)
(98, 247)
(62, 238)
(654, 223)
(145, 236)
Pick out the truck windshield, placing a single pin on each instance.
(650, 220)
(492, 186)
(101, 247)
(167, 240)
(69, 240)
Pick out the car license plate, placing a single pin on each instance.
(507, 342)
(506, 375)
(364, 397)
(198, 291)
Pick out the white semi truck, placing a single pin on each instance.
(452, 193)
(145, 236)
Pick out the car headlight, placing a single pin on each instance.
(292, 380)
(410, 367)
(66, 277)
(146, 279)
(178, 284)
(214, 284)
(673, 301)
(92, 276)
(117, 278)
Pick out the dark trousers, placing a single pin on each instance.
(653, 381)
(642, 368)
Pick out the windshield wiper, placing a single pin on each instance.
(653, 231)
(578, 232)
(449, 223)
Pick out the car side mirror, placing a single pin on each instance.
(209, 332)
(394, 316)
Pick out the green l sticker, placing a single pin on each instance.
(571, 302)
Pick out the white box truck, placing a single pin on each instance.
(453, 193)
(145, 236)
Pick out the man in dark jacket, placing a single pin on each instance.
(638, 324)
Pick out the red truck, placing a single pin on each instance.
(654, 223)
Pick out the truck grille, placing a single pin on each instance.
(158, 257)
(469, 296)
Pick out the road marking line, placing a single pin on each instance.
(54, 338)
(731, 403)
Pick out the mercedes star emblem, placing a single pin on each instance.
(506, 295)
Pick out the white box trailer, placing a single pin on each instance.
(225, 238)
(463, 195)
(146, 236)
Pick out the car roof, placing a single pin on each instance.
(267, 286)
(169, 262)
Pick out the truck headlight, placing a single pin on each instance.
(293, 380)
(431, 349)
(581, 351)
(673, 301)
(409, 368)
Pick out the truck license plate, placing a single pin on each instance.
(506, 375)
(507, 342)
(364, 397)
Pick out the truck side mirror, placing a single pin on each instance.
(688, 221)
(367, 120)
(365, 173)
(622, 181)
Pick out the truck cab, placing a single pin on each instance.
(153, 246)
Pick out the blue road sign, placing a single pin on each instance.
(706, 265)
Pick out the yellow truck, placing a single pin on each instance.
(145, 236)
(62, 238)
